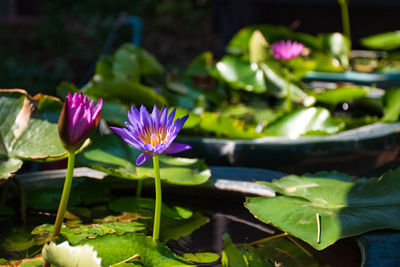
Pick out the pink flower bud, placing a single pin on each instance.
(78, 120)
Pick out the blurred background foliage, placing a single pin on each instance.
(60, 40)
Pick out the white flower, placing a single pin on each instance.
(64, 255)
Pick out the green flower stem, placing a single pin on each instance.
(139, 186)
(157, 211)
(345, 18)
(65, 195)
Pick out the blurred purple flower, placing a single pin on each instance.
(286, 50)
(153, 134)
(78, 120)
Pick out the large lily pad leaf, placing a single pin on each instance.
(113, 249)
(382, 41)
(226, 126)
(25, 134)
(341, 94)
(342, 206)
(306, 121)
(241, 255)
(241, 75)
(109, 154)
(77, 234)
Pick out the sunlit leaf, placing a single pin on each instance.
(302, 122)
(343, 207)
(341, 94)
(241, 75)
(113, 249)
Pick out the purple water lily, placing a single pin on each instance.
(78, 120)
(153, 134)
(286, 50)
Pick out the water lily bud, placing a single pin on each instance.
(78, 120)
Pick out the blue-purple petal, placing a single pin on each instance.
(143, 158)
(177, 147)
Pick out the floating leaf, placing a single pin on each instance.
(78, 234)
(226, 126)
(204, 257)
(315, 120)
(241, 75)
(113, 249)
(22, 131)
(111, 155)
(341, 94)
(345, 207)
(382, 41)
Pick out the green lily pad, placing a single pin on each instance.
(110, 154)
(341, 94)
(241, 75)
(22, 131)
(112, 249)
(225, 126)
(204, 257)
(344, 207)
(241, 255)
(77, 234)
(306, 121)
(382, 41)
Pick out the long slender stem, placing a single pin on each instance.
(268, 239)
(139, 186)
(345, 18)
(65, 195)
(157, 210)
